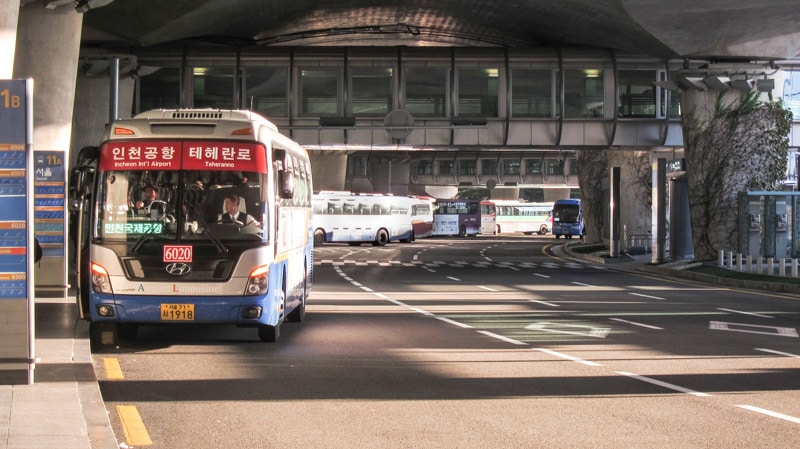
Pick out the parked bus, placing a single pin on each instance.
(488, 218)
(567, 218)
(358, 218)
(223, 237)
(461, 217)
(519, 216)
(422, 216)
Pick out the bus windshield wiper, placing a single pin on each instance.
(144, 238)
(217, 242)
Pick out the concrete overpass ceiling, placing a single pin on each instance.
(735, 29)
(512, 23)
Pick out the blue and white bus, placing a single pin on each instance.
(567, 218)
(173, 257)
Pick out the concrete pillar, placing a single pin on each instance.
(328, 170)
(47, 48)
(9, 15)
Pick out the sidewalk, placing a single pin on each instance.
(643, 263)
(63, 408)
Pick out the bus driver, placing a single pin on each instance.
(232, 213)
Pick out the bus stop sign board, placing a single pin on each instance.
(16, 302)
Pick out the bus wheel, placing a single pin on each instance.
(382, 239)
(543, 230)
(299, 312)
(462, 231)
(319, 237)
(558, 236)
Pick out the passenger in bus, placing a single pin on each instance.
(233, 215)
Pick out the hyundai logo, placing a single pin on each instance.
(178, 269)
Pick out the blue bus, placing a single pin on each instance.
(192, 216)
(568, 218)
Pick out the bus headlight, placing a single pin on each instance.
(100, 281)
(258, 284)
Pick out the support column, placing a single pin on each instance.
(9, 15)
(659, 209)
(47, 48)
(613, 246)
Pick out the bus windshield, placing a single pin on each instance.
(138, 205)
(567, 213)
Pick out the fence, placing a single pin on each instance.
(761, 265)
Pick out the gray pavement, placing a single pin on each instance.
(63, 408)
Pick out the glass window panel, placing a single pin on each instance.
(554, 166)
(533, 166)
(572, 166)
(426, 92)
(445, 167)
(371, 91)
(265, 90)
(467, 167)
(583, 93)
(319, 92)
(160, 89)
(489, 167)
(357, 166)
(531, 92)
(637, 95)
(477, 92)
(534, 195)
(674, 100)
(423, 168)
(510, 166)
(213, 87)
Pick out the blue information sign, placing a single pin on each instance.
(13, 189)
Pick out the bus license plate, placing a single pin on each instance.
(177, 312)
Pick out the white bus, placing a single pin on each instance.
(358, 218)
(173, 257)
(422, 216)
(519, 216)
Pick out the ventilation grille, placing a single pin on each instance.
(197, 114)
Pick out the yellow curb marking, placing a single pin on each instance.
(132, 425)
(113, 370)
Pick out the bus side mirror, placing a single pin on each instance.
(286, 183)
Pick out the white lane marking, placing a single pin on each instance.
(745, 328)
(502, 338)
(541, 275)
(453, 322)
(646, 296)
(637, 324)
(453, 279)
(664, 384)
(487, 288)
(567, 357)
(544, 303)
(746, 313)
(582, 284)
(771, 351)
(594, 332)
(770, 413)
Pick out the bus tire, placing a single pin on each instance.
(543, 230)
(299, 313)
(319, 237)
(382, 238)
